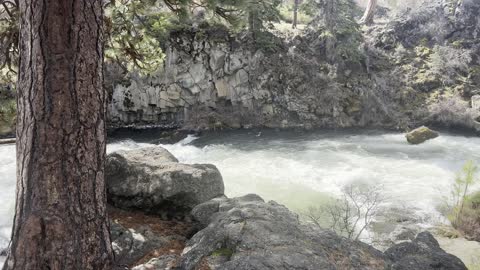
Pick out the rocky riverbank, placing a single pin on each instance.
(215, 232)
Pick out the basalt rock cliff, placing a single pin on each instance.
(415, 67)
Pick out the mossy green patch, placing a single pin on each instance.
(423, 51)
(222, 252)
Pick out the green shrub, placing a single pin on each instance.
(464, 212)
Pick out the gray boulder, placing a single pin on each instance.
(421, 135)
(247, 233)
(422, 253)
(151, 179)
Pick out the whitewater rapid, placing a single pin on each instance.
(301, 170)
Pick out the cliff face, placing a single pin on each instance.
(204, 71)
(222, 82)
(391, 76)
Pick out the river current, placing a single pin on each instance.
(301, 170)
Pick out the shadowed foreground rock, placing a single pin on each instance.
(137, 238)
(421, 135)
(247, 233)
(151, 179)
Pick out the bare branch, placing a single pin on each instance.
(353, 213)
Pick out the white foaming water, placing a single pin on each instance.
(7, 193)
(412, 175)
(300, 171)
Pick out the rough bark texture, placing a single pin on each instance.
(295, 13)
(369, 12)
(60, 220)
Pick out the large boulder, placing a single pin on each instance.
(151, 179)
(421, 135)
(422, 253)
(248, 233)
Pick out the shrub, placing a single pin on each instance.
(463, 208)
(350, 215)
(449, 63)
(453, 112)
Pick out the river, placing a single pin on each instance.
(302, 169)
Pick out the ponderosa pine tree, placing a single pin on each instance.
(296, 4)
(369, 12)
(60, 219)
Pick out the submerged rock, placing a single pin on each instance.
(151, 179)
(421, 135)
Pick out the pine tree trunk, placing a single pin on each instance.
(369, 12)
(328, 14)
(295, 14)
(61, 220)
(254, 23)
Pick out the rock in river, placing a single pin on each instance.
(151, 179)
(421, 135)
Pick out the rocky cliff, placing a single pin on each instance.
(420, 66)
(212, 80)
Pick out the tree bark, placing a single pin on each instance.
(254, 23)
(369, 12)
(295, 14)
(61, 220)
(328, 14)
